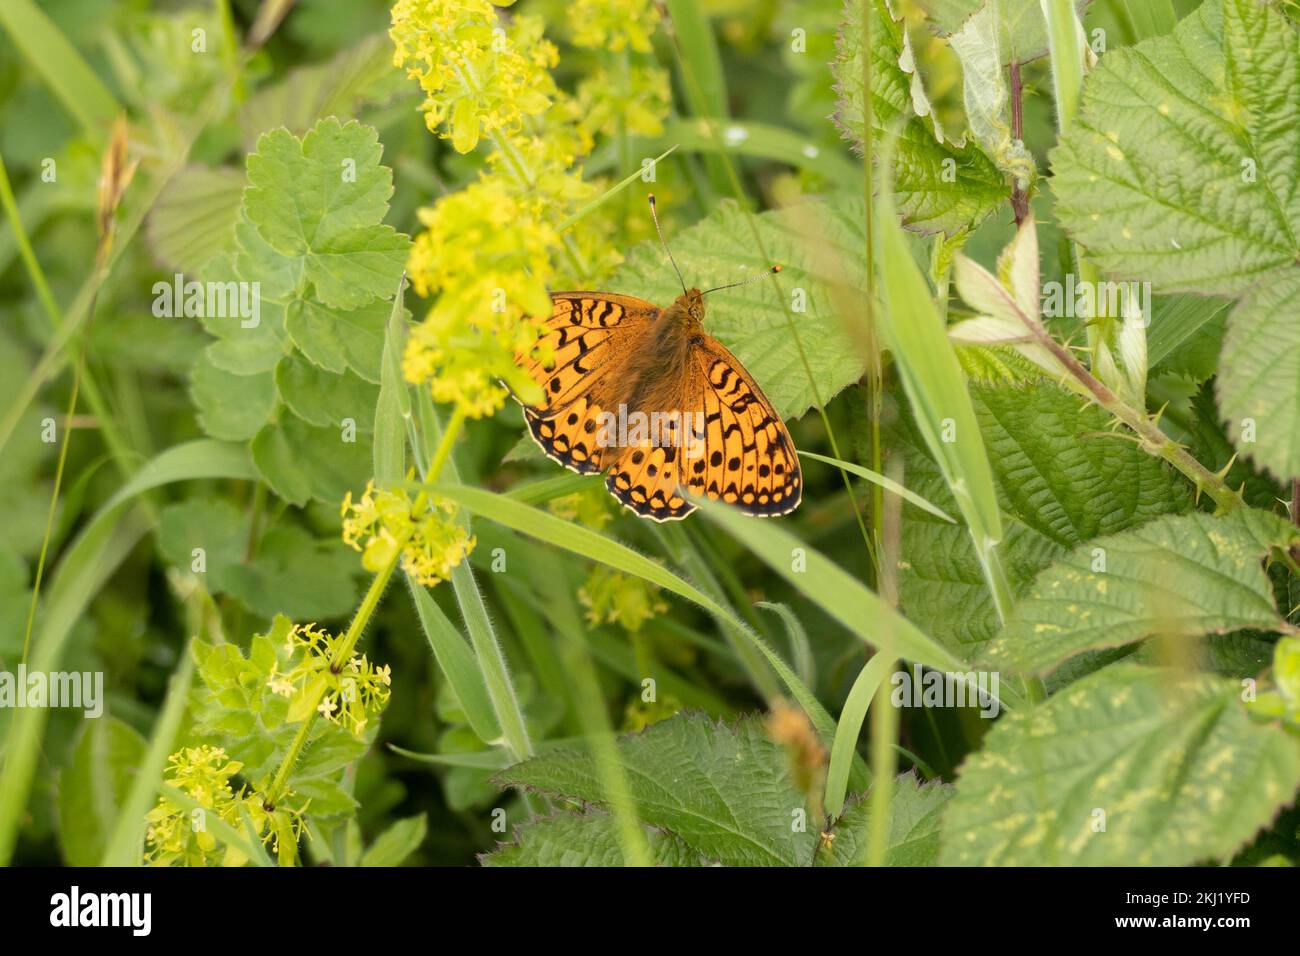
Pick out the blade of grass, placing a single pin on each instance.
(85, 567)
(126, 846)
(597, 547)
(58, 63)
(609, 193)
(852, 715)
(887, 483)
(762, 141)
(705, 85)
(393, 408)
(457, 663)
(801, 655)
(836, 591)
(1146, 18)
(936, 387)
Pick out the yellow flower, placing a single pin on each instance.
(614, 597)
(432, 542)
(614, 24)
(349, 695)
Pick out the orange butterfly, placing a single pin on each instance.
(646, 396)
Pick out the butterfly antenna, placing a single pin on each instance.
(762, 275)
(655, 216)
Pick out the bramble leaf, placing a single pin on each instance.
(1062, 479)
(1131, 766)
(1178, 576)
(588, 839)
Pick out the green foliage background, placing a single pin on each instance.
(1173, 162)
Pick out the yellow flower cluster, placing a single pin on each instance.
(349, 696)
(490, 250)
(182, 836)
(612, 597)
(431, 541)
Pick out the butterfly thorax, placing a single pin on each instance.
(652, 373)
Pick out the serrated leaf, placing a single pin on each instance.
(320, 201)
(1259, 377)
(1178, 576)
(323, 398)
(588, 839)
(94, 786)
(1061, 479)
(1181, 166)
(817, 244)
(230, 407)
(940, 185)
(301, 461)
(1181, 772)
(724, 790)
(915, 809)
(341, 339)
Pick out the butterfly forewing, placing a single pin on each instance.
(730, 444)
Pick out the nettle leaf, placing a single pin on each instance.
(1259, 376)
(588, 839)
(818, 245)
(320, 200)
(94, 786)
(1062, 479)
(1213, 109)
(941, 185)
(915, 810)
(724, 790)
(1178, 576)
(301, 461)
(323, 398)
(290, 573)
(1180, 770)
(230, 407)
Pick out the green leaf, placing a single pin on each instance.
(393, 406)
(1022, 27)
(297, 575)
(300, 461)
(194, 217)
(324, 398)
(395, 844)
(230, 407)
(1181, 772)
(1178, 576)
(1211, 107)
(341, 339)
(724, 790)
(941, 185)
(94, 785)
(915, 809)
(1259, 377)
(1062, 478)
(358, 76)
(818, 245)
(588, 839)
(320, 200)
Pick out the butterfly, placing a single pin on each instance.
(645, 396)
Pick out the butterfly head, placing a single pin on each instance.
(692, 303)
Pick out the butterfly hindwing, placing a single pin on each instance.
(749, 460)
(648, 479)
